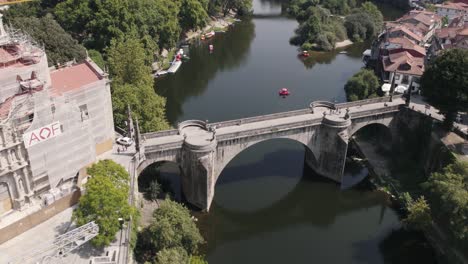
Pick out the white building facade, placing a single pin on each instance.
(53, 123)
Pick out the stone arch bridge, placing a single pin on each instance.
(203, 150)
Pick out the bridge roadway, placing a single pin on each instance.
(171, 139)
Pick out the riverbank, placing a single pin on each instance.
(219, 24)
(343, 44)
(380, 170)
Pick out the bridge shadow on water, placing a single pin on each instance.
(275, 191)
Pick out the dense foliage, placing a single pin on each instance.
(419, 213)
(242, 7)
(172, 234)
(445, 83)
(133, 86)
(362, 85)
(59, 45)
(321, 24)
(448, 191)
(105, 200)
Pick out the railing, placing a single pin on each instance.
(261, 118)
(266, 130)
(367, 101)
(163, 133)
(388, 109)
(166, 146)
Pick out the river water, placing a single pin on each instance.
(269, 208)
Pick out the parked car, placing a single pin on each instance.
(125, 141)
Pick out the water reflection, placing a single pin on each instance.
(230, 51)
(268, 208)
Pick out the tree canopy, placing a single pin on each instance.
(171, 232)
(321, 24)
(105, 201)
(59, 45)
(448, 191)
(362, 85)
(133, 86)
(445, 83)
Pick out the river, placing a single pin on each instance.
(269, 208)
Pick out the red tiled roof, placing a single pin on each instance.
(425, 17)
(71, 78)
(408, 44)
(451, 5)
(403, 62)
(408, 32)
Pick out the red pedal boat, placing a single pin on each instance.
(284, 92)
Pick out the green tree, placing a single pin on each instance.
(197, 260)
(96, 56)
(133, 86)
(105, 201)
(448, 193)
(192, 14)
(97, 22)
(419, 213)
(445, 83)
(128, 62)
(59, 45)
(224, 6)
(374, 12)
(154, 190)
(172, 227)
(175, 255)
(362, 85)
(360, 26)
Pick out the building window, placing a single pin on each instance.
(416, 79)
(397, 77)
(405, 79)
(84, 112)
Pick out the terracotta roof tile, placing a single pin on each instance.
(71, 78)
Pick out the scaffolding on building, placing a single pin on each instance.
(55, 250)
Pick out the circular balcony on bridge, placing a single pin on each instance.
(197, 135)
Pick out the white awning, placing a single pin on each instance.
(386, 87)
(401, 89)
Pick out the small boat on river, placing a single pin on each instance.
(175, 66)
(284, 92)
(305, 54)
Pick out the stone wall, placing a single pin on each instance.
(38, 217)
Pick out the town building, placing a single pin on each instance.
(451, 10)
(54, 122)
(405, 68)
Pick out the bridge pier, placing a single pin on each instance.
(332, 141)
(197, 163)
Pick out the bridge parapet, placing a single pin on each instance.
(254, 119)
(325, 104)
(367, 101)
(373, 112)
(163, 133)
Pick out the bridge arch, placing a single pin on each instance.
(227, 150)
(387, 120)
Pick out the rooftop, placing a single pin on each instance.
(452, 5)
(425, 17)
(406, 43)
(403, 62)
(72, 78)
